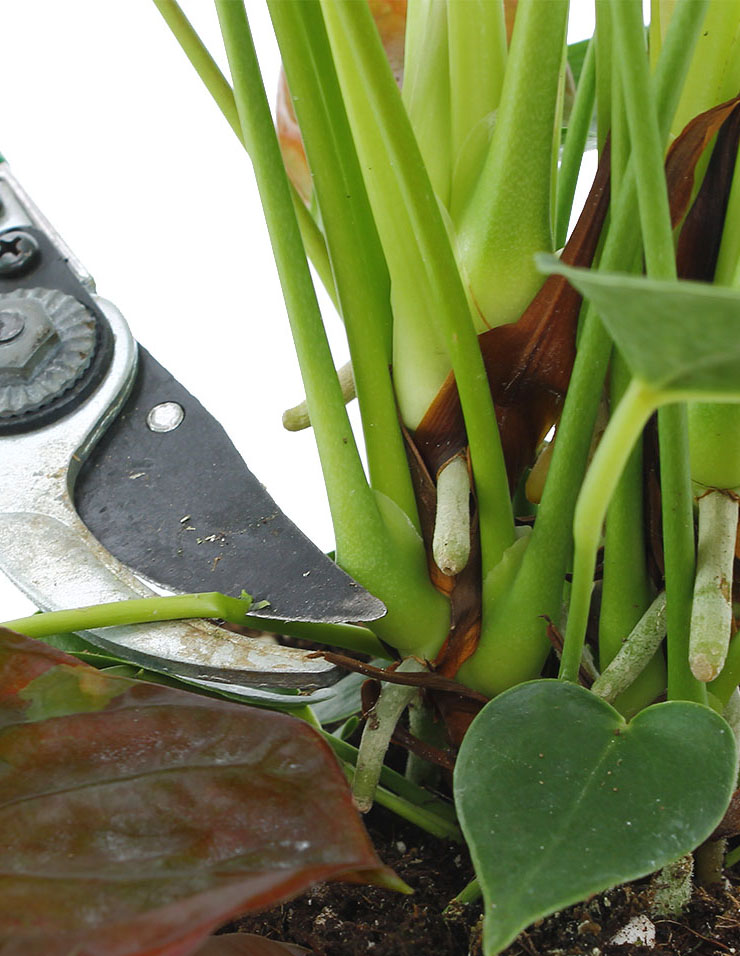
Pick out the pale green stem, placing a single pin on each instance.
(415, 240)
(711, 613)
(426, 89)
(451, 542)
(622, 432)
(209, 604)
(635, 654)
(508, 216)
(376, 737)
(477, 35)
(579, 125)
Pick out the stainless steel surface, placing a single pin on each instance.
(52, 350)
(50, 555)
(17, 209)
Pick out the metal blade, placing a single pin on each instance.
(168, 494)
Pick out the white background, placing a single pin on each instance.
(108, 128)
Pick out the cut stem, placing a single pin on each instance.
(711, 611)
(208, 604)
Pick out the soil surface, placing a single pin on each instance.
(341, 919)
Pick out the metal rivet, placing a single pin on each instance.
(165, 417)
(12, 323)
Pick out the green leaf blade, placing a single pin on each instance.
(559, 798)
(678, 337)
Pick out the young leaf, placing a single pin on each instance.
(560, 798)
(136, 818)
(675, 336)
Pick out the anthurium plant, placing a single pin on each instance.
(550, 415)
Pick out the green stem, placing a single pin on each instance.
(726, 684)
(469, 894)
(357, 259)
(416, 613)
(677, 507)
(418, 248)
(426, 89)
(477, 35)
(209, 604)
(575, 142)
(626, 588)
(508, 216)
(223, 95)
(625, 427)
(647, 138)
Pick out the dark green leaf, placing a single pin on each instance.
(560, 798)
(675, 336)
(136, 818)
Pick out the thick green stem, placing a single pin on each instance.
(508, 216)
(421, 261)
(426, 89)
(514, 634)
(477, 35)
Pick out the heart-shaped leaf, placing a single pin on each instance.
(136, 818)
(678, 336)
(560, 798)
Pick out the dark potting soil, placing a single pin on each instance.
(343, 919)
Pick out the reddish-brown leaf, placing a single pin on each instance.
(246, 944)
(135, 818)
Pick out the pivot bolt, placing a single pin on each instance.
(12, 323)
(18, 252)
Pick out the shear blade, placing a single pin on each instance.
(182, 509)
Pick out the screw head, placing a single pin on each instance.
(18, 252)
(12, 323)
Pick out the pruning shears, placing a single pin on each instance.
(113, 475)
